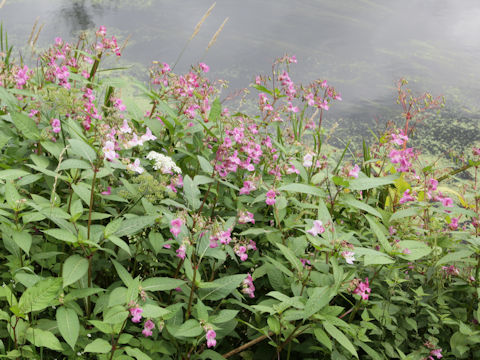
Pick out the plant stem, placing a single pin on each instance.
(246, 346)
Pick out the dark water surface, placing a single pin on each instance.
(361, 46)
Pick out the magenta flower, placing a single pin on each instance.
(406, 197)
(204, 67)
(21, 77)
(248, 287)
(56, 126)
(247, 188)
(108, 191)
(453, 224)
(147, 328)
(176, 226)
(181, 252)
(307, 160)
(437, 353)
(317, 228)
(270, 200)
(362, 289)
(211, 342)
(136, 313)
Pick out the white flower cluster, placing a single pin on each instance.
(163, 163)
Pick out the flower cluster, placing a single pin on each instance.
(163, 163)
(362, 289)
(248, 287)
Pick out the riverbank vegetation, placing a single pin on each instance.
(164, 225)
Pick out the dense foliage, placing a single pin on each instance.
(161, 225)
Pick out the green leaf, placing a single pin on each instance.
(41, 295)
(74, 164)
(61, 234)
(220, 288)
(223, 316)
(366, 183)
(291, 257)
(103, 327)
(82, 149)
(115, 315)
(418, 249)
(302, 188)
(154, 311)
(98, 346)
(137, 353)
(323, 338)
(83, 192)
(320, 298)
(161, 284)
(454, 256)
(191, 192)
(120, 243)
(74, 268)
(215, 110)
(133, 225)
(12, 174)
(68, 325)
(190, 328)
(205, 165)
(23, 239)
(123, 273)
(377, 229)
(340, 337)
(43, 338)
(362, 206)
(408, 212)
(26, 125)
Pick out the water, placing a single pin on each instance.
(361, 46)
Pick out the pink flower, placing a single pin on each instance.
(437, 353)
(248, 287)
(307, 160)
(305, 262)
(246, 217)
(211, 342)
(148, 136)
(225, 236)
(136, 313)
(247, 188)
(270, 200)
(176, 226)
(109, 151)
(399, 139)
(102, 31)
(317, 228)
(406, 197)
(446, 201)
(21, 76)
(292, 108)
(107, 192)
(167, 246)
(181, 251)
(56, 125)
(204, 67)
(406, 251)
(147, 328)
(354, 172)
(453, 223)
(125, 128)
(348, 256)
(362, 289)
(136, 167)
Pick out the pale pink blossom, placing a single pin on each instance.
(354, 172)
(270, 197)
(317, 228)
(56, 126)
(135, 166)
(348, 256)
(147, 328)
(211, 341)
(136, 313)
(176, 225)
(181, 251)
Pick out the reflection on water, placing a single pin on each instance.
(362, 46)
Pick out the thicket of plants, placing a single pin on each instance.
(185, 230)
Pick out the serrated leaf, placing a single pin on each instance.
(82, 149)
(161, 284)
(291, 257)
(191, 192)
(12, 174)
(220, 288)
(74, 268)
(26, 125)
(43, 338)
(205, 165)
(68, 325)
(133, 225)
(320, 298)
(41, 295)
(123, 273)
(99, 346)
(61, 234)
(340, 337)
